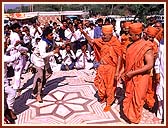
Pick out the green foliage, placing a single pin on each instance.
(139, 10)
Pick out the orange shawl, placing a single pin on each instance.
(136, 87)
(113, 46)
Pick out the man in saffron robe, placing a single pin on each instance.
(124, 43)
(150, 97)
(159, 35)
(139, 62)
(108, 52)
(125, 37)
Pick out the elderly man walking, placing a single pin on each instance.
(108, 52)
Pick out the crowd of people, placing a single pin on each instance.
(132, 60)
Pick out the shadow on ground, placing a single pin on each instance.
(20, 103)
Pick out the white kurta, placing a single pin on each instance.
(39, 54)
(90, 32)
(33, 34)
(71, 36)
(82, 61)
(67, 57)
(9, 91)
(14, 37)
(160, 87)
(18, 64)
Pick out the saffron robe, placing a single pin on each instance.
(150, 97)
(136, 87)
(107, 54)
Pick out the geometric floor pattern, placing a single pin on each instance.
(69, 99)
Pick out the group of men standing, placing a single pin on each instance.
(136, 62)
(134, 59)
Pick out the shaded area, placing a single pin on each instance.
(20, 103)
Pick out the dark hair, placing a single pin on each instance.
(38, 38)
(113, 20)
(99, 20)
(91, 24)
(83, 43)
(14, 26)
(63, 21)
(70, 23)
(107, 20)
(26, 28)
(46, 31)
(54, 23)
(8, 33)
(68, 44)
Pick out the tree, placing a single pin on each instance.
(142, 10)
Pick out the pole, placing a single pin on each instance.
(32, 7)
(112, 9)
(21, 8)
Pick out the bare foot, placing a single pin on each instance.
(38, 98)
(107, 108)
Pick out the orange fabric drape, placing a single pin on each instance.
(106, 52)
(150, 100)
(124, 43)
(137, 86)
(150, 97)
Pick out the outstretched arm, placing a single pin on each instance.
(90, 40)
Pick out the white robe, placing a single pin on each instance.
(160, 87)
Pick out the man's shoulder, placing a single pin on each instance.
(63, 51)
(146, 42)
(42, 43)
(14, 34)
(141, 44)
(79, 50)
(31, 28)
(67, 30)
(115, 41)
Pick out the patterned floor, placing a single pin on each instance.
(69, 99)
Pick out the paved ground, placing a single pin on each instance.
(68, 100)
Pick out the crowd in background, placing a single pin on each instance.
(35, 46)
